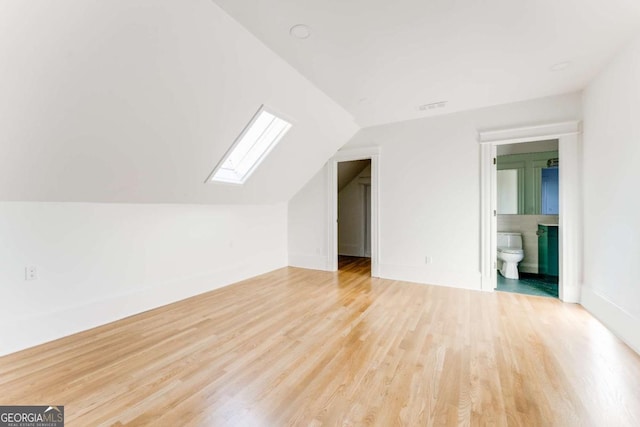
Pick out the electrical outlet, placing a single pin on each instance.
(30, 273)
(428, 260)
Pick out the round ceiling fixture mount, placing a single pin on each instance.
(300, 31)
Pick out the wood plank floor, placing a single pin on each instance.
(302, 347)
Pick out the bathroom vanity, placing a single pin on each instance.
(548, 249)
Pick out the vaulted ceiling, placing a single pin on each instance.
(137, 101)
(383, 59)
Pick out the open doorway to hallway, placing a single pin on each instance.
(354, 214)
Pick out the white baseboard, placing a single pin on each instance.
(622, 324)
(311, 262)
(431, 275)
(34, 330)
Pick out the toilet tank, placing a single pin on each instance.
(509, 240)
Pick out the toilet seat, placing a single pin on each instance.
(511, 251)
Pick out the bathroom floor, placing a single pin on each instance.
(530, 284)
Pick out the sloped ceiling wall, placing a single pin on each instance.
(137, 101)
(347, 171)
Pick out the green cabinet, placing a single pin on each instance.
(548, 249)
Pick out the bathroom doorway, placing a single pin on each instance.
(528, 217)
(569, 215)
(527, 189)
(354, 214)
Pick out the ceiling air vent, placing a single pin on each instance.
(433, 106)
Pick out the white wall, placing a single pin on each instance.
(101, 262)
(429, 190)
(351, 217)
(307, 224)
(611, 168)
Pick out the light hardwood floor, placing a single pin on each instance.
(302, 347)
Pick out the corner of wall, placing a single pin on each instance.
(624, 325)
(311, 262)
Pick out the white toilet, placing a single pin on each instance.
(510, 253)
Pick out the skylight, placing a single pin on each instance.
(257, 139)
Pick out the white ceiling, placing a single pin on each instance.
(381, 59)
(121, 101)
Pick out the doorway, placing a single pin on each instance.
(370, 192)
(528, 217)
(354, 213)
(569, 201)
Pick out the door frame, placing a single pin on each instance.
(366, 237)
(364, 153)
(568, 135)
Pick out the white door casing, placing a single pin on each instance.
(570, 225)
(372, 153)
